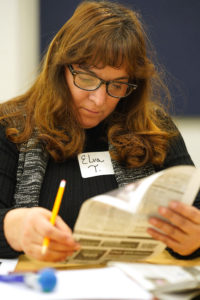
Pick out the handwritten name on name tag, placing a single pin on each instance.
(95, 164)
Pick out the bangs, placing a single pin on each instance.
(108, 49)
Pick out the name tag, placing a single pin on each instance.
(95, 164)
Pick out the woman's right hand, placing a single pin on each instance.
(25, 229)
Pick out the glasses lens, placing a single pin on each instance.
(86, 81)
(118, 89)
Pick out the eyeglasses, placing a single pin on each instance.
(88, 82)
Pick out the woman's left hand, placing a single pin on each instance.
(183, 234)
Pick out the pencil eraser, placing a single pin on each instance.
(63, 183)
(44, 249)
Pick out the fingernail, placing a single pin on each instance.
(153, 221)
(162, 210)
(77, 246)
(70, 239)
(173, 204)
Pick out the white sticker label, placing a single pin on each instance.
(95, 164)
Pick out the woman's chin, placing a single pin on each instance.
(89, 124)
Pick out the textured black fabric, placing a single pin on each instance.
(8, 168)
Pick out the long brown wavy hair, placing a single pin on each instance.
(99, 33)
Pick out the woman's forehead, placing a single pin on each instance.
(108, 71)
(100, 65)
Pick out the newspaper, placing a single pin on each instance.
(113, 226)
(165, 282)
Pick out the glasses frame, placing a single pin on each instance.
(102, 81)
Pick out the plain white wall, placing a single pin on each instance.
(19, 60)
(19, 48)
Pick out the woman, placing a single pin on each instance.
(98, 90)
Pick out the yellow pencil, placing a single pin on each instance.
(55, 210)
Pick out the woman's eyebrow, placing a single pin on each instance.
(86, 69)
(119, 78)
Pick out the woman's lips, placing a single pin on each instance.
(90, 111)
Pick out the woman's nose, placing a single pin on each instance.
(99, 96)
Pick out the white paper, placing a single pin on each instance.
(7, 265)
(99, 283)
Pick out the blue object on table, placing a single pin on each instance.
(44, 280)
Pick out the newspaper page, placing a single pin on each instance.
(165, 282)
(112, 226)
